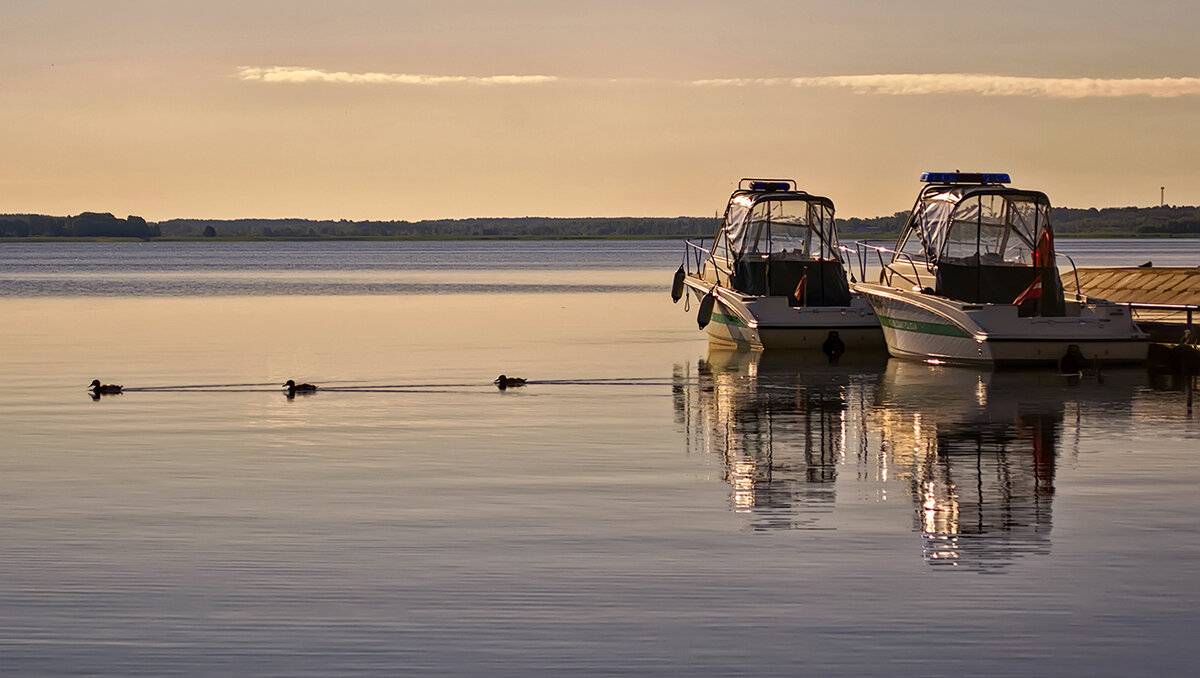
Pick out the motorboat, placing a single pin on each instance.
(775, 276)
(973, 279)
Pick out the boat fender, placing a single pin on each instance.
(1073, 361)
(704, 315)
(677, 285)
(833, 347)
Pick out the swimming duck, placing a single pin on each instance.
(294, 388)
(502, 382)
(103, 389)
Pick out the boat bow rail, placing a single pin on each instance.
(863, 249)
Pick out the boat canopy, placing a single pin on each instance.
(981, 225)
(776, 240)
(988, 243)
(770, 222)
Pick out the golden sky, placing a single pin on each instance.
(374, 109)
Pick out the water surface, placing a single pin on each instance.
(645, 506)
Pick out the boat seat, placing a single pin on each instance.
(1001, 285)
(826, 285)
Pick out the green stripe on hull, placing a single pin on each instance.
(727, 320)
(922, 327)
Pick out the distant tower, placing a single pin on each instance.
(1162, 194)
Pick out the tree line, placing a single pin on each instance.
(85, 225)
(1109, 222)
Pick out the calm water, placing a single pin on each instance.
(645, 506)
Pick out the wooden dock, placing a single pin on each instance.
(1136, 285)
(1165, 302)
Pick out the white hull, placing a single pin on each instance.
(920, 326)
(771, 323)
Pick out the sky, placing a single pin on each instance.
(399, 110)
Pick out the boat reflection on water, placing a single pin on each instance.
(974, 453)
(779, 422)
(978, 451)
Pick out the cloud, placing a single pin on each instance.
(911, 84)
(985, 85)
(295, 74)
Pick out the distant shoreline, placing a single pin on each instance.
(849, 237)
(1167, 221)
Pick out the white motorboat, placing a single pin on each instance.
(775, 276)
(973, 280)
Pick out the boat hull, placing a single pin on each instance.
(771, 323)
(925, 327)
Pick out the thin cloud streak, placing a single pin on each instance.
(984, 85)
(301, 75)
(898, 84)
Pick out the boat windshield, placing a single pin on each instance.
(797, 225)
(969, 225)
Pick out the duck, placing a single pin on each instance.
(294, 388)
(104, 389)
(502, 382)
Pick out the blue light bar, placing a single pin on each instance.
(769, 186)
(965, 178)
